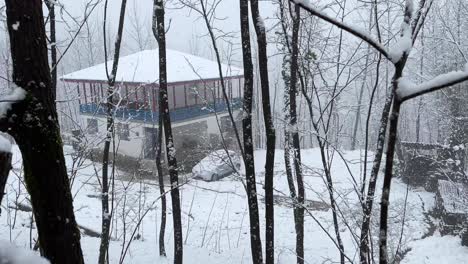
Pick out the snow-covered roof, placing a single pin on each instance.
(143, 67)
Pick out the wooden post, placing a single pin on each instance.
(185, 95)
(464, 235)
(174, 96)
(85, 94)
(79, 94)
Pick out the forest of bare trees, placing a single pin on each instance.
(281, 131)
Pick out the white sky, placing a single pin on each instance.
(187, 31)
(184, 25)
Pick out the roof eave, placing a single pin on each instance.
(71, 80)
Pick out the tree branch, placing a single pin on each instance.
(353, 31)
(408, 90)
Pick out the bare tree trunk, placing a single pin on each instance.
(269, 132)
(162, 229)
(361, 93)
(106, 212)
(329, 180)
(391, 142)
(288, 144)
(53, 44)
(384, 203)
(5, 166)
(288, 168)
(162, 192)
(369, 199)
(255, 241)
(421, 74)
(358, 112)
(38, 136)
(296, 148)
(206, 18)
(170, 148)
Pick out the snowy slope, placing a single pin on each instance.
(10, 254)
(215, 216)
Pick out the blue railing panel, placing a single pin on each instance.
(178, 114)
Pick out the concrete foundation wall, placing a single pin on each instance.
(194, 139)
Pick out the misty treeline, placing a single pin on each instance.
(336, 75)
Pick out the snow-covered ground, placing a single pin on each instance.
(215, 216)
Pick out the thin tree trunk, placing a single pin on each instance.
(287, 133)
(418, 121)
(39, 138)
(5, 166)
(358, 113)
(361, 93)
(391, 142)
(106, 212)
(288, 168)
(421, 74)
(384, 203)
(221, 77)
(296, 151)
(53, 44)
(369, 199)
(269, 132)
(255, 241)
(170, 148)
(358, 110)
(328, 177)
(333, 204)
(162, 229)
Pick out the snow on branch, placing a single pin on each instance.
(16, 95)
(348, 28)
(404, 45)
(407, 89)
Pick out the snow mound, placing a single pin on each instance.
(437, 250)
(10, 254)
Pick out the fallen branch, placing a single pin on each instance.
(84, 230)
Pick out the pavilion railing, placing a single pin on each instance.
(177, 115)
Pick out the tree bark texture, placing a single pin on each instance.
(269, 132)
(369, 199)
(5, 167)
(106, 212)
(162, 228)
(296, 148)
(170, 148)
(255, 241)
(34, 125)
